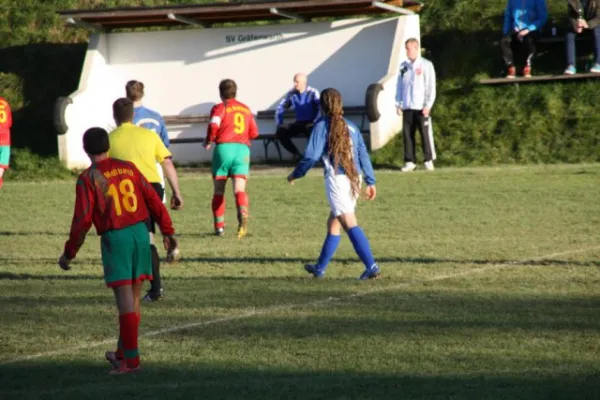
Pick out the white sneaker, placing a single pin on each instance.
(409, 166)
(429, 165)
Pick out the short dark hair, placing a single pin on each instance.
(95, 141)
(228, 89)
(134, 90)
(123, 110)
(411, 40)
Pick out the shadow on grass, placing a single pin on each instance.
(209, 381)
(291, 260)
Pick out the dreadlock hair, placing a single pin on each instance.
(340, 144)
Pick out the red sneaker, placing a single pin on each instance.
(512, 72)
(527, 71)
(123, 369)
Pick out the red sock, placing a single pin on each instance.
(241, 201)
(129, 337)
(218, 207)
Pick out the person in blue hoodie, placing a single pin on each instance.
(304, 100)
(523, 20)
(339, 144)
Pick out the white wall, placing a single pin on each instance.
(181, 71)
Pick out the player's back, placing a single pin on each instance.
(118, 198)
(236, 122)
(152, 120)
(140, 146)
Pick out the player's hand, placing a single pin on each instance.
(579, 30)
(172, 248)
(291, 179)
(207, 145)
(371, 192)
(399, 111)
(176, 202)
(426, 112)
(63, 262)
(523, 33)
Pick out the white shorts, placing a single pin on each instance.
(339, 194)
(161, 173)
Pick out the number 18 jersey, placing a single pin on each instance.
(113, 194)
(231, 122)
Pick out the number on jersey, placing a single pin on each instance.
(125, 196)
(239, 123)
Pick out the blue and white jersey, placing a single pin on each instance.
(306, 105)
(317, 150)
(152, 120)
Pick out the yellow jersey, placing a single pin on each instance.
(140, 146)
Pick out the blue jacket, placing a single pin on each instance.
(149, 119)
(306, 105)
(525, 14)
(317, 150)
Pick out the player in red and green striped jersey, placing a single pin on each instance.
(115, 197)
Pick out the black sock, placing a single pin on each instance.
(155, 283)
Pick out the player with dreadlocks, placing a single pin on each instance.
(338, 143)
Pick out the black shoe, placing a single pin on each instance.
(152, 296)
(220, 232)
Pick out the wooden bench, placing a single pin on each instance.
(267, 138)
(199, 119)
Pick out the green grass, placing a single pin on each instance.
(490, 289)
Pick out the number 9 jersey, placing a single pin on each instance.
(113, 194)
(231, 122)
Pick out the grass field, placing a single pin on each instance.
(490, 289)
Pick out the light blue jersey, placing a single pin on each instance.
(152, 120)
(317, 150)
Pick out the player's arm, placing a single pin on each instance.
(285, 104)
(164, 157)
(85, 202)
(366, 166)
(163, 132)
(312, 154)
(216, 117)
(252, 127)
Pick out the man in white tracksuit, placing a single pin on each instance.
(415, 96)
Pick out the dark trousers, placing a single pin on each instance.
(412, 121)
(155, 283)
(286, 132)
(528, 44)
(570, 43)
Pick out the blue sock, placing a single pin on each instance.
(361, 246)
(329, 247)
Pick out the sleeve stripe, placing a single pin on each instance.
(215, 120)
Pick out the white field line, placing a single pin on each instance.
(284, 307)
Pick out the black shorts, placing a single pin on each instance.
(160, 191)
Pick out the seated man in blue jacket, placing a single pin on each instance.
(304, 100)
(523, 20)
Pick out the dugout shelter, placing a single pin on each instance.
(355, 46)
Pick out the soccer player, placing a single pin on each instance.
(144, 148)
(338, 143)
(147, 118)
(116, 198)
(5, 125)
(305, 102)
(231, 127)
